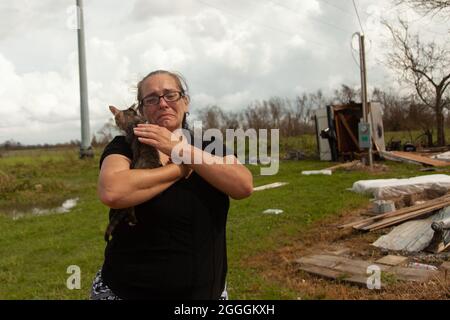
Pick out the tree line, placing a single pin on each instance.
(294, 117)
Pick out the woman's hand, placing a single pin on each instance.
(159, 137)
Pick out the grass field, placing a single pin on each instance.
(35, 251)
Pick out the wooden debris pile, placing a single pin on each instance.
(423, 225)
(395, 217)
(413, 157)
(357, 271)
(438, 230)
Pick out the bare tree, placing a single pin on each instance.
(106, 133)
(428, 6)
(425, 66)
(395, 109)
(257, 116)
(212, 117)
(345, 94)
(318, 100)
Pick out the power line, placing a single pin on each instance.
(357, 14)
(342, 9)
(241, 18)
(337, 7)
(318, 20)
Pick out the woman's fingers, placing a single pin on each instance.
(158, 137)
(148, 141)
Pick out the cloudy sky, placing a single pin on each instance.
(231, 53)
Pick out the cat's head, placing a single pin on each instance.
(126, 119)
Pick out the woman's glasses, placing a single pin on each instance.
(168, 97)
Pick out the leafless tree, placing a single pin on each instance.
(428, 6)
(395, 109)
(425, 66)
(212, 117)
(106, 133)
(346, 94)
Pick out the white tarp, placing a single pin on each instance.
(314, 172)
(386, 188)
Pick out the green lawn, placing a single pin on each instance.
(36, 251)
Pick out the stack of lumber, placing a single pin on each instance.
(413, 158)
(395, 217)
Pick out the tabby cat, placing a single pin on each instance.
(144, 157)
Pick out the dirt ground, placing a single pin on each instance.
(325, 237)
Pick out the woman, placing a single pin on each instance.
(177, 249)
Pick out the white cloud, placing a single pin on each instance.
(231, 53)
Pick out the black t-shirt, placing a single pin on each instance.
(177, 250)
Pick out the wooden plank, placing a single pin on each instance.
(409, 216)
(314, 260)
(337, 251)
(320, 271)
(367, 221)
(392, 218)
(355, 271)
(359, 280)
(338, 134)
(349, 130)
(345, 265)
(317, 265)
(270, 186)
(392, 260)
(343, 165)
(413, 274)
(418, 158)
(380, 226)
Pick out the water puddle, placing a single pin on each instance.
(64, 208)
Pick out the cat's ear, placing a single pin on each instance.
(114, 110)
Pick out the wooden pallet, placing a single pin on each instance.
(356, 271)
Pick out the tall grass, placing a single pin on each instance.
(36, 251)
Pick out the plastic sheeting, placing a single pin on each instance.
(412, 236)
(387, 188)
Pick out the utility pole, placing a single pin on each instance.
(85, 147)
(362, 56)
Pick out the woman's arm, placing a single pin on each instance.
(122, 187)
(226, 174)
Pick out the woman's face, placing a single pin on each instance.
(165, 114)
